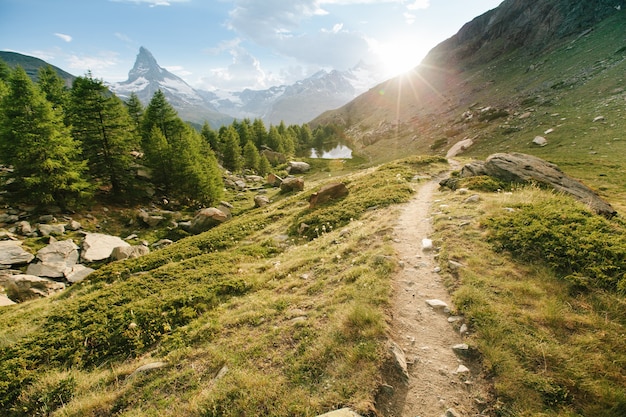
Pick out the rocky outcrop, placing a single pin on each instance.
(55, 259)
(328, 192)
(520, 23)
(522, 168)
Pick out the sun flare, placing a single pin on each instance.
(399, 56)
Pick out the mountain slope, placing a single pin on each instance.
(31, 65)
(491, 84)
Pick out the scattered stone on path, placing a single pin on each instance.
(462, 369)
(438, 305)
(462, 349)
(399, 361)
(463, 330)
(344, 412)
(427, 245)
(451, 412)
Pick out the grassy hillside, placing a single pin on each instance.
(511, 100)
(251, 318)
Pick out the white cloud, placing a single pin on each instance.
(244, 71)
(179, 70)
(418, 4)
(151, 3)
(63, 36)
(410, 18)
(123, 37)
(95, 64)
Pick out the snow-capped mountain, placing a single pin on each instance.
(147, 77)
(294, 104)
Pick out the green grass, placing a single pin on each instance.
(552, 344)
(296, 323)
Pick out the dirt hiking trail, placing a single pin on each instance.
(441, 381)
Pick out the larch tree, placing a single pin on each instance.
(53, 87)
(231, 151)
(251, 157)
(101, 122)
(182, 165)
(33, 139)
(135, 111)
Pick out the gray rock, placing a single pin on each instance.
(451, 412)
(462, 369)
(292, 184)
(462, 349)
(51, 229)
(261, 200)
(521, 168)
(73, 225)
(274, 180)
(54, 259)
(399, 361)
(149, 219)
(77, 273)
(5, 301)
(31, 286)
(8, 218)
(540, 141)
(47, 218)
(11, 253)
(148, 368)
(437, 305)
(162, 243)
(98, 246)
(475, 198)
(207, 218)
(129, 252)
(328, 192)
(344, 412)
(24, 228)
(295, 167)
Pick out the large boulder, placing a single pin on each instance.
(98, 246)
(54, 259)
(290, 184)
(274, 158)
(11, 253)
(521, 168)
(328, 192)
(207, 218)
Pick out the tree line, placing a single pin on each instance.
(69, 146)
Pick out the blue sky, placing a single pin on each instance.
(232, 44)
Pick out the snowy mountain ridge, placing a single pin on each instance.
(294, 104)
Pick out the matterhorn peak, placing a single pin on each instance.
(147, 67)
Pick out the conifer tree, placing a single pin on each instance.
(274, 140)
(264, 165)
(231, 152)
(210, 137)
(251, 157)
(53, 87)
(183, 166)
(259, 133)
(135, 111)
(34, 139)
(101, 122)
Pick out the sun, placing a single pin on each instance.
(399, 56)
